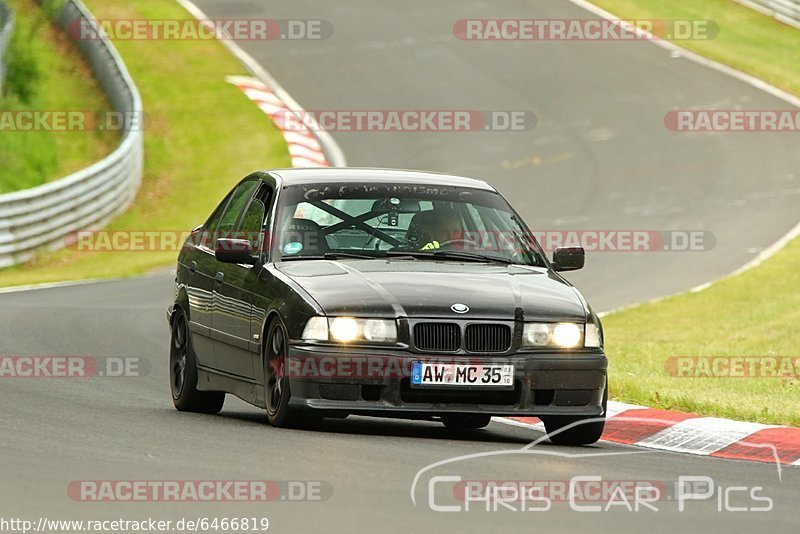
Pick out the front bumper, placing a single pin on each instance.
(544, 384)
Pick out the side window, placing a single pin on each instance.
(251, 226)
(253, 218)
(252, 223)
(212, 223)
(236, 206)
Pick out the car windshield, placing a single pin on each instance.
(385, 220)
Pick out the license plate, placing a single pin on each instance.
(458, 375)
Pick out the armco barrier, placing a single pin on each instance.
(6, 27)
(43, 217)
(787, 11)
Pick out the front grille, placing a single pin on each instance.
(438, 337)
(487, 338)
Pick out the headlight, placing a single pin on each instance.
(379, 330)
(537, 334)
(567, 335)
(344, 329)
(560, 335)
(350, 329)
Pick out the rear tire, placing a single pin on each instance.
(580, 434)
(183, 372)
(466, 421)
(277, 390)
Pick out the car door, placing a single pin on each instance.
(234, 347)
(198, 268)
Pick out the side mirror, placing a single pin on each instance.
(234, 251)
(569, 258)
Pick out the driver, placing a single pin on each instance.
(435, 227)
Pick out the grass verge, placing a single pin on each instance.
(45, 73)
(202, 135)
(755, 313)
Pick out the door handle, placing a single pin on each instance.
(193, 266)
(220, 276)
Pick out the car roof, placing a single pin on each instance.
(315, 175)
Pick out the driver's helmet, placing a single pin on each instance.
(430, 229)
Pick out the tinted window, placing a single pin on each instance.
(251, 226)
(213, 222)
(241, 196)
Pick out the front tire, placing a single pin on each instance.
(277, 390)
(183, 373)
(580, 434)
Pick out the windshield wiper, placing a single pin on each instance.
(470, 256)
(330, 256)
(450, 254)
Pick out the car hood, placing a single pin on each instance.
(408, 288)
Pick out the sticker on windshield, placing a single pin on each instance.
(292, 248)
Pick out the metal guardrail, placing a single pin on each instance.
(787, 11)
(6, 27)
(44, 217)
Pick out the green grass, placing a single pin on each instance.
(752, 314)
(756, 313)
(202, 135)
(749, 41)
(45, 72)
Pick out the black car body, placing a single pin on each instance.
(310, 292)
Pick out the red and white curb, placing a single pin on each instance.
(692, 434)
(304, 147)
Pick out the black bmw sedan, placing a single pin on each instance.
(329, 292)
